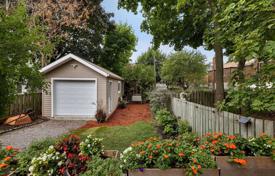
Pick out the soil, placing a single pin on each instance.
(123, 117)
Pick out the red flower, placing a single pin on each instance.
(181, 154)
(2, 165)
(65, 148)
(194, 170)
(70, 155)
(231, 137)
(214, 142)
(9, 148)
(71, 165)
(150, 157)
(62, 170)
(158, 146)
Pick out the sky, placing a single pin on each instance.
(144, 39)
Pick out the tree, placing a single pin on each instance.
(118, 47)
(87, 42)
(19, 52)
(154, 58)
(184, 22)
(139, 79)
(184, 69)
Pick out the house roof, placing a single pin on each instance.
(90, 65)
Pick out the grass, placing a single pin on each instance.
(120, 137)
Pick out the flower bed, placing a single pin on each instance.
(165, 154)
(7, 160)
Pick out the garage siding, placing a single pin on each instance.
(115, 93)
(70, 70)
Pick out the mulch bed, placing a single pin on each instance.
(123, 117)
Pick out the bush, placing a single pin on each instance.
(92, 146)
(154, 153)
(160, 99)
(184, 127)
(34, 150)
(100, 116)
(167, 123)
(103, 167)
(8, 162)
(122, 104)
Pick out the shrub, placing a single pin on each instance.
(8, 162)
(154, 153)
(92, 146)
(103, 167)
(184, 126)
(100, 116)
(160, 99)
(167, 123)
(34, 150)
(122, 103)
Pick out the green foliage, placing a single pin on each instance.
(103, 167)
(20, 49)
(119, 45)
(167, 122)
(8, 162)
(35, 149)
(184, 69)
(139, 79)
(91, 146)
(253, 95)
(154, 58)
(160, 99)
(184, 127)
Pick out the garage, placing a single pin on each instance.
(74, 98)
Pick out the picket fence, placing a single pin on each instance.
(204, 119)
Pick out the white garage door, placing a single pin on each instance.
(74, 98)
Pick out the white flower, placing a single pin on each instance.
(127, 150)
(253, 86)
(31, 168)
(89, 145)
(269, 85)
(51, 147)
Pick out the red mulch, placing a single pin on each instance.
(123, 117)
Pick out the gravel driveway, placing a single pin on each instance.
(21, 138)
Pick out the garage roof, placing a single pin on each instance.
(90, 65)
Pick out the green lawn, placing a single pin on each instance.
(120, 137)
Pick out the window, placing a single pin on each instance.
(119, 87)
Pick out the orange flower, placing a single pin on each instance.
(142, 152)
(2, 165)
(215, 142)
(240, 161)
(230, 146)
(203, 147)
(158, 146)
(231, 137)
(199, 166)
(181, 154)
(194, 160)
(149, 146)
(165, 156)
(194, 170)
(7, 158)
(170, 144)
(9, 148)
(150, 157)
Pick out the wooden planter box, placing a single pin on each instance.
(111, 154)
(171, 172)
(256, 166)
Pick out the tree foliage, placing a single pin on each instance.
(184, 22)
(184, 69)
(139, 79)
(154, 58)
(19, 52)
(118, 47)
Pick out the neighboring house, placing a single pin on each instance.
(250, 69)
(78, 88)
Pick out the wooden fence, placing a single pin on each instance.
(204, 119)
(206, 98)
(24, 102)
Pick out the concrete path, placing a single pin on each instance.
(21, 138)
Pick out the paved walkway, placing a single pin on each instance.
(131, 114)
(21, 138)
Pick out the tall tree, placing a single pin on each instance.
(118, 47)
(184, 69)
(154, 58)
(19, 45)
(184, 22)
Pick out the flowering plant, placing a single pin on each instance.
(91, 146)
(7, 160)
(154, 153)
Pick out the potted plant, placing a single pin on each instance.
(167, 157)
(100, 116)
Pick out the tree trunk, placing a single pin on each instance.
(240, 70)
(219, 94)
